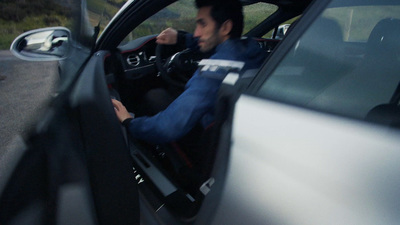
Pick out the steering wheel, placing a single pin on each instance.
(177, 69)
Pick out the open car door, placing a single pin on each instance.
(74, 167)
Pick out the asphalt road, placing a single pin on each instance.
(25, 88)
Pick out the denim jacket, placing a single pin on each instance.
(197, 103)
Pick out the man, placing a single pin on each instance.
(219, 24)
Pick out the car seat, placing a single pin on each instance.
(316, 61)
(383, 44)
(370, 81)
(383, 53)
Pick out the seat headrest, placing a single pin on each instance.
(325, 36)
(384, 40)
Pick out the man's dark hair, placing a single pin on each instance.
(223, 10)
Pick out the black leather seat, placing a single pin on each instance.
(315, 61)
(383, 44)
(383, 55)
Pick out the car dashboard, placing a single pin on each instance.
(138, 57)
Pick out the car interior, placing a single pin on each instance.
(178, 171)
(146, 77)
(75, 164)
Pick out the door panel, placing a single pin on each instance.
(109, 163)
(76, 168)
(294, 166)
(50, 166)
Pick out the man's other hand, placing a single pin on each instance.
(120, 110)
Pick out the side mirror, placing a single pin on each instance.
(46, 44)
(280, 32)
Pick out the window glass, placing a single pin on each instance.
(256, 13)
(347, 62)
(101, 11)
(181, 15)
(357, 22)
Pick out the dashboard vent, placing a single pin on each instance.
(133, 60)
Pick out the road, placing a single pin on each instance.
(25, 88)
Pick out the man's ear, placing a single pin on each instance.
(226, 27)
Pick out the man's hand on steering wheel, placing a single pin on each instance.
(176, 68)
(168, 36)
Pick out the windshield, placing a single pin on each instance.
(347, 62)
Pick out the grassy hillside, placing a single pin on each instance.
(18, 16)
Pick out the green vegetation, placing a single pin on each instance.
(107, 8)
(18, 16)
(103, 11)
(254, 14)
(181, 14)
(9, 30)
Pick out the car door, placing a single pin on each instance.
(315, 138)
(74, 167)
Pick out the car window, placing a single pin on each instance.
(357, 22)
(180, 15)
(256, 13)
(101, 12)
(347, 62)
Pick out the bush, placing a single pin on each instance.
(19, 9)
(18, 16)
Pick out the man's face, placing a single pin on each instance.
(206, 30)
